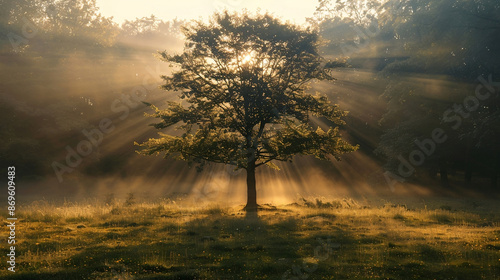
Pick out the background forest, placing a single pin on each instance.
(417, 71)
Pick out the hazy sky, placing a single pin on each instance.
(293, 10)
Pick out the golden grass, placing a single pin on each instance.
(313, 238)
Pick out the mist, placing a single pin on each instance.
(71, 77)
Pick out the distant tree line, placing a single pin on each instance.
(436, 63)
(62, 64)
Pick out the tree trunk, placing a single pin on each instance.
(251, 188)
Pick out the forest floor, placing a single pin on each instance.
(314, 238)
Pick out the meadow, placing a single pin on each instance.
(313, 238)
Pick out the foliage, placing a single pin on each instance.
(361, 12)
(430, 55)
(62, 64)
(244, 80)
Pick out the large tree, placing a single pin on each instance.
(243, 80)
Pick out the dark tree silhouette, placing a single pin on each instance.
(245, 79)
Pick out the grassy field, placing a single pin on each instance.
(311, 239)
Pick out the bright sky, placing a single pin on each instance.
(293, 10)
